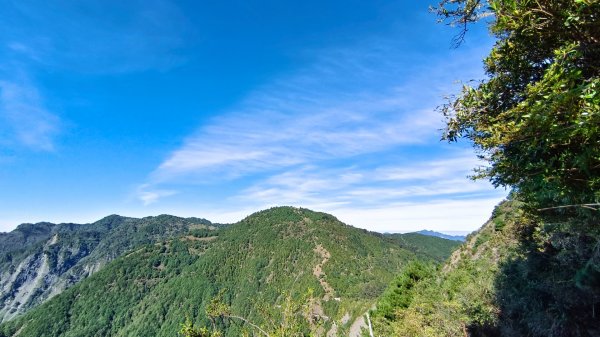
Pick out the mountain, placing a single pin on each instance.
(442, 235)
(458, 299)
(38, 261)
(509, 278)
(438, 249)
(25, 235)
(252, 265)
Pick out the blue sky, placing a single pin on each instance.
(219, 109)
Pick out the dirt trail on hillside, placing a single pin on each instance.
(318, 272)
(357, 326)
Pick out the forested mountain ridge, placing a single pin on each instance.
(442, 235)
(252, 264)
(25, 235)
(38, 261)
(435, 247)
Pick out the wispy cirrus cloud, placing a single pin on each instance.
(91, 37)
(446, 215)
(266, 140)
(353, 133)
(435, 195)
(149, 195)
(25, 117)
(349, 102)
(363, 186)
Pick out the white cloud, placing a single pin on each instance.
(148, 196)
(314, 186)
(25, 117)
(444, 215)
(439, 215)
(340, 136)
(455, 166)
(351, 101)
(258, 138)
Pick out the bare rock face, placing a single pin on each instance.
(39, 261)
(20, 287)
(45, 272)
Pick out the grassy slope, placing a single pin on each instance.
(460, 297)
(149, 292)
(516, 276)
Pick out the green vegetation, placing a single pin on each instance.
(460, 238)
(40, 260)
(457, 298)
(499, 283)
(534, 268)
(101, 304)
(25, 235)
(437, 248)
(536, 120)
(256, 267)
(296, 318)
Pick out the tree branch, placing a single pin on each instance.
(249, 323)
(590, 206)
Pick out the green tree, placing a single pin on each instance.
(536, 119)
(399, 293)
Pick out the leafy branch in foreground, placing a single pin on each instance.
(460, 13)
(296, 318)
(536, 119)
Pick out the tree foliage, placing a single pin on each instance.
(72, 252)
(534, 268)
(536, 119)
(438, 249)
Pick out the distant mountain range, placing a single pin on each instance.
(461, 238)
(435, 247)
(141, 277)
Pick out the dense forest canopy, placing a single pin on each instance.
(215, 278)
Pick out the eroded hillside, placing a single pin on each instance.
(39, 261)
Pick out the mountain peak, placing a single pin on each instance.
(289, 214)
